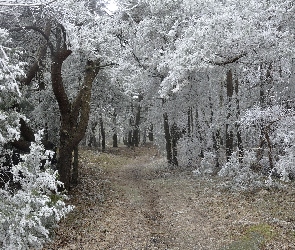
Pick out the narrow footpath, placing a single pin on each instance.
(130, 200)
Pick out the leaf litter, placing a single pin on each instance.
(130, 199)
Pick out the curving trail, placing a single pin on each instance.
(130, 200)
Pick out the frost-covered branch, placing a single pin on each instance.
(25, 3)
(228, 61)
(40, 31)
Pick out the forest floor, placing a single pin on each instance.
(129, 199)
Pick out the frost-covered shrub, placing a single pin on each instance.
(277, 125)
(207, 166)
(284, 141)
(239, 175)
(28, 214)
(285, 166)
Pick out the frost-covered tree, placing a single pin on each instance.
(30, 202)
(74, 37)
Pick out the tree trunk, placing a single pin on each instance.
(174, 140)
(167, 139)
(129, 139)
(115, 140)
(75, 172)
(92, 140)
(103, 135)
(151, 133)
(229, 142)
(189, 122)
(115, 135)
(136, 129)
(75, 115)
(229, 132)
(199, 133)
(64, 164)
(239, 134)
(269, 145)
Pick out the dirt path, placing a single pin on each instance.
(131, 201)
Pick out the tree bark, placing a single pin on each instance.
(239, 134)
(64, 163)
(167, 139)
(129, 139)
(103, 135)
(136, 136)
(92, 140)
(74, 116)
(75, 172)
(115, 140)
(189, 122)
(229, 132)
(151, 133)
(115, 135)
(174, 140)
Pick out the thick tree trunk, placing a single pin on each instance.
(64, 164)
(75, 172)
(135, 137)
(115, 140)
(75, 115)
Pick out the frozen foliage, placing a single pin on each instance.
(277, 123)
(28, 213)
(263, 116)
(208, 165)
(10, 69)
(284, 140)
(239, 175)
(8, 126)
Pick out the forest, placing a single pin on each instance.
(205, 88)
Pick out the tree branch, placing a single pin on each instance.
(108, 65)
(36, 65)
(229, 61)
(57, 82)
(26, 4)
(37, 29)
(82, 102)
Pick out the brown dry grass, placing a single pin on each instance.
(129, 199)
